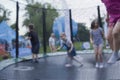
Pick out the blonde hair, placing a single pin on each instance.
(62, 34)
(52, 34)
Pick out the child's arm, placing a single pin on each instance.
(59, 48)
(102, 33)
(71, 47)
(91, 39)
(28, 36)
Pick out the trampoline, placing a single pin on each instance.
(52, 68)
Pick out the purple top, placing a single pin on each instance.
(113, 9)
(97, 36)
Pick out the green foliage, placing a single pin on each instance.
(34, 15)
(41, 50)
(1, 58)
(13, 26)
(4, 13)
(78, 45)
(83, 32)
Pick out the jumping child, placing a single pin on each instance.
(113, 19)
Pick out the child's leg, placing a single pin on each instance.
(75, 58)
(100, 52)
(33, 56)
(100, 55)
(69, 61)
(116, 36)
(116, 42)
(36, 56)
(78, 61)
(96, 52)
(54, 48)
(96, 55)
(110, 37)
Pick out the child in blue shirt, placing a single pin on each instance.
(71, 52)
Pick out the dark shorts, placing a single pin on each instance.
(72, 53)
(35, 48)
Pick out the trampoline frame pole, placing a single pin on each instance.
(99, 16)
(44, 31)
(71, 27)
(17, 30)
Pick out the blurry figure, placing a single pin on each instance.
(113, 20)
(52, 42)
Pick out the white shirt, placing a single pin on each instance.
(52, 41)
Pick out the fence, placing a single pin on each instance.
(47, 19)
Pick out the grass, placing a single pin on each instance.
(42, 49)
(77, 45)
(1, 58)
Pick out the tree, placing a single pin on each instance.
(34, 15)
(13, 26)
(4, 13)
(83, 32)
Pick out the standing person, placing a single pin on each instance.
(96, 38)
(71, 52)
(33, 36)
(113, 19)
(52, 42)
